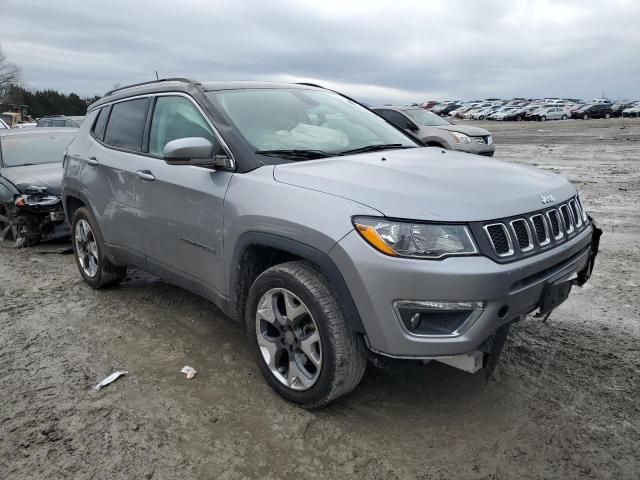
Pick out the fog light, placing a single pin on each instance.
(437, 318)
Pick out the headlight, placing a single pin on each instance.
(461, 137)
(415, 240)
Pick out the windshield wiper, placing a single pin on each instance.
(293, 153)
(375, 148)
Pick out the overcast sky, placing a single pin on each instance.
(377, 51)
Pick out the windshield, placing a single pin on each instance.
(426, 119)
(300, 119)
(18, 150)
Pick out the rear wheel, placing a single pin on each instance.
(88, 247)
(543, 118)
(607, 116)
(564, 117)
(303, 346)
(519, 118)
(585, 117)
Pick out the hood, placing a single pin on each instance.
(429, 184)
(45, 175)
(466, 129)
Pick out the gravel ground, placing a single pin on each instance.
(566, 404)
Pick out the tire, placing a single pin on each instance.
(564, 117)
(340, 353)
(607, 116)
(519, 118)
(585, 117)
(88, 249)
(543, 118)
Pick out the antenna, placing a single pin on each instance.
(157, 78)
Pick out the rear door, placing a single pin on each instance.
(107, 177)
(181, 206)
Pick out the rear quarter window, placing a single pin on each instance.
(125, 127)
(101, 122)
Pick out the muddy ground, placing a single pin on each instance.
(566, 405)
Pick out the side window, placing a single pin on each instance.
(58, 123)
(44, 123)
(396, 118)
(174, 118)
(98, 127)
(126, 124)
(70, 124)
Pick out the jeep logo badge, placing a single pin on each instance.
(547, 198)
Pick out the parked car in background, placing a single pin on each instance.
(632, 111)
(26, 125)
(550, 113)
(30, 193)
(328, 232)
(435, 131)
(516, 114)
(594, 110)
(60, 121)
(618, 108)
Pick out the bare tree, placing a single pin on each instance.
(9, 74)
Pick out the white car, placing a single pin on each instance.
(2, 124)
(551, 113)
(633, 111)
(25, 125)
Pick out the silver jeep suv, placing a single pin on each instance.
(329, 232)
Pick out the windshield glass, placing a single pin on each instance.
(35, 149)
(300, 119)
(426, 119)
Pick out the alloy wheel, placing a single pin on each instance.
(289, 339)
(86, 248)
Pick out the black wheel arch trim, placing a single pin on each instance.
(320, 259)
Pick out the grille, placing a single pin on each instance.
(536, 231)
(500, 239)
(577, 215)
(554, 220)
(566, 218)
(540, 227)
(523, 236)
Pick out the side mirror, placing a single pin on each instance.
(195, 151)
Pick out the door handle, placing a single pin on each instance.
(145, 175)
(92, 161)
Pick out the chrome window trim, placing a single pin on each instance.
(526, 225)
(506, 232)
(547, 233)
(216, 133)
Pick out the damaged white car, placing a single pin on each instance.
(30, 176)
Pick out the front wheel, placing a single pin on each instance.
(607, 116)
(585, 117)
(564, 117)
(11, 235)
(543, 118)
(303, 345)
(94, 266)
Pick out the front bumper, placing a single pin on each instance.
(377, 281)
(474, 147)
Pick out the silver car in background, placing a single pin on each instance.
(435, 131)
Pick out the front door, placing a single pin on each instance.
(180, 206)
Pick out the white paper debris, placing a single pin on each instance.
(189, 372)
(110, 379)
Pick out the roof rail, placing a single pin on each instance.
(310, 84)
(176, 79)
